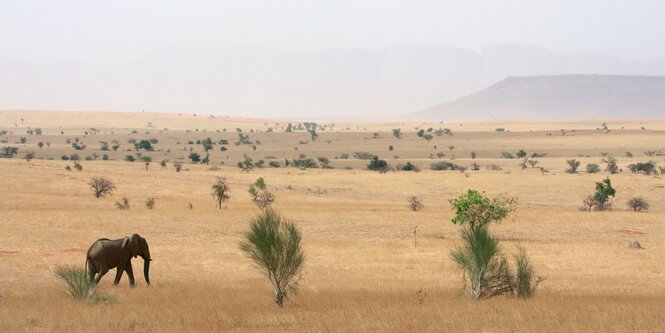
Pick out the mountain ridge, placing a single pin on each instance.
(558, 96)
(239, 79)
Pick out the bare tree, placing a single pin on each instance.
(101, 186)
(220, 191)
(638, 204)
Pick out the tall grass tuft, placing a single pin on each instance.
(274, 245)
(486, 270)
(525, 281)
(81, 287)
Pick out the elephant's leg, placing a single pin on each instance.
(130, 273)
(91, 271)
(118, 275)
(102, 271)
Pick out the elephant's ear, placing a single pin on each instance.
(132, 244)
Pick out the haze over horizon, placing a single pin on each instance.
(320, 58)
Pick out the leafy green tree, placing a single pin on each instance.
(476, 210)
(273, 243)
(604, 191)
(377, 164)
(521, 153)
(144, 144)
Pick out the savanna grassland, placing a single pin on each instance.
(363, 271)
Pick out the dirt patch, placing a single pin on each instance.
(631, 232)
(8, 253)
(72, 250)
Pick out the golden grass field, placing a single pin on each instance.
(362, 272)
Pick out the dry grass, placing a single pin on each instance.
(362, 272)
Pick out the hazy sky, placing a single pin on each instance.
(121, 30)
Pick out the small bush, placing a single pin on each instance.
(150, 203)
(638, 204)
(592, 168)
(438, 166)
(377, 164)
(220, 191)
(415, 204)
(572, 166)
(410, 167)
(261, 197)
(274, 245)
(101, 187)
(363, 155)
(507, 155)
(177, 165)
(78, 166)
(122, 204)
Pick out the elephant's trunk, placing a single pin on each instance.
(146, 270)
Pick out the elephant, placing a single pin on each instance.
(105, 254)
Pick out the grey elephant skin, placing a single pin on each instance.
(105, 254)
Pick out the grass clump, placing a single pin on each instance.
(80, 286)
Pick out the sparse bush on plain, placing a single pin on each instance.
(101, 187)
(361, 155)
(177, 165)
(507, 155)
(486, 270)
(438, 166)
(409, 167)
(572, 166)
(592, 168)
(377, 164)
(122, 203)
(150, 203)
(220, 191)
(273, 243)
(261, 197)
(415, 204)
(612, 166)
(600, 199)
(648, 168)
(638, 204)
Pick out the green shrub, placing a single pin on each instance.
(377, 164)
(438, 166)
(592, 168)
(274, 245)
(361, 155)
(572, 166)
(409, 167)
